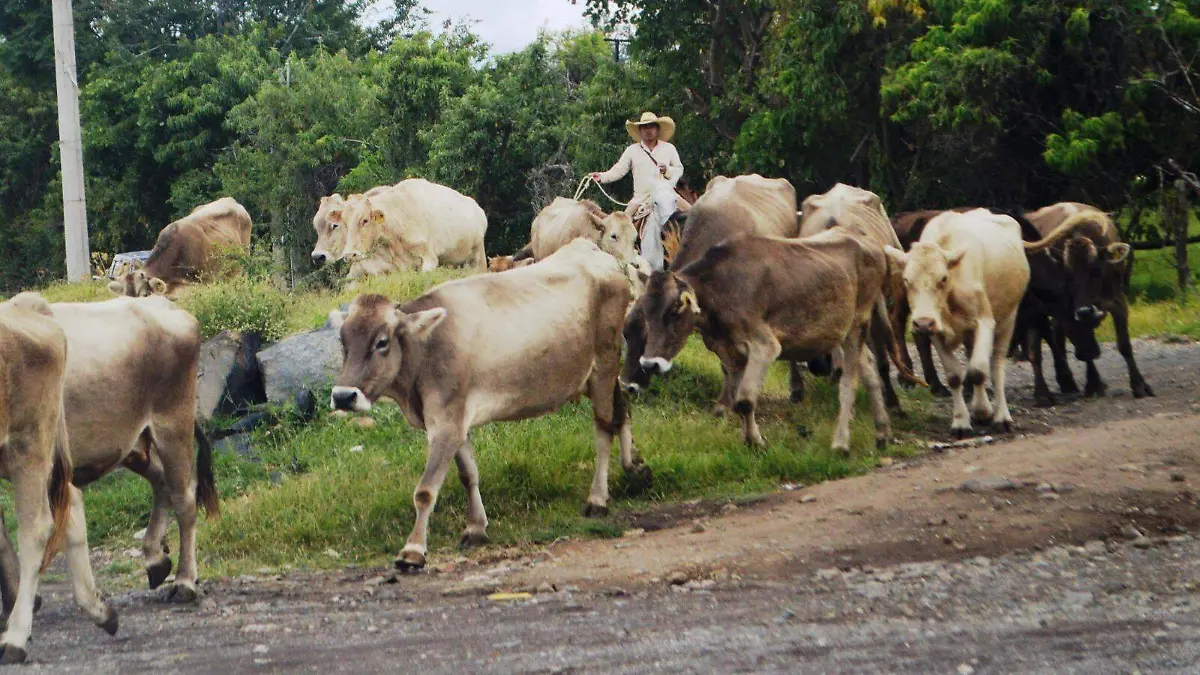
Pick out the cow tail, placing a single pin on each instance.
(524, 253)
(881, 315)
(206, 484)
(60, 493)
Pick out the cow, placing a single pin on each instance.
(729, 207)
(565, 220)
(490, 348)
(503, 263)
(1081, 272)
(908, 227)
(861, 211)
(415, 224)
(331, 236)
(34, 455)
(189, 250)
(149, 350)
(755, 299)
(965, 278)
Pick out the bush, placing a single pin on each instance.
(239, 304)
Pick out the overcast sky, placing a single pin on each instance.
(508, 25)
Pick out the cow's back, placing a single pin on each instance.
(531, 329)
(747, 204)
(424, 216)
(1048, 218)
(858, 210)
(555, 226)
(129, 360)
(225, 222)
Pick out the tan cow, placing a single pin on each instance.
(331, 236)
(965, 279)
(757, 299)
(490, 348)
(35, 457)
(565, 220)
(148, 351)
(189, 249)
(413, 225)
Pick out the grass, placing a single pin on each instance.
(309, 500)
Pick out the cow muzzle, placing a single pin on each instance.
(655, 366)
(350, 399)
(925, 325)
(630, 387)
(1089, 314)
(319, 258)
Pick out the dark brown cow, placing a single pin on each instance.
(756, 299)
(460, 356)
(189, 249)
(1081, 270)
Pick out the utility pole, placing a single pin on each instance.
(70, 147)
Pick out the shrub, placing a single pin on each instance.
(239, 304)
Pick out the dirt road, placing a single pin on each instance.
(1065, 552)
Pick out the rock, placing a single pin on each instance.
(140, 534)
(1133, 533)
(1048, 496)
(729, 508)
(886, 461)
(275, 478)
(482, 587)
(1178, 476)
(965, 669)
(808, 499)
(305, 361)
(989, 484)
(228, 378)
(787, 616)
(236, 444)
(306, 406)
(261, 649)
(1044, 488)
(698, 527)
(356, 448)
(1095, 547)
(1143, 542)
(828, 573)
(260, 628)
(635, 532)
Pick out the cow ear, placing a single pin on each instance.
(953, 258)
(336, 318)
(377, 216)
(421, 324)
(334, 216)
(117, 287)
(1117, 253)
(896, 255)
(158, 286)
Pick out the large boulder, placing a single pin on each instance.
(228, 379)
(305, 361)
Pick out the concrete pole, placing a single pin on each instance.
(70, 147)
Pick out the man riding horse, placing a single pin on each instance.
(656, 171)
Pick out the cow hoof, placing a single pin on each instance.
(940, 390)
(157, 573)
(638, 478)
(982, 417)
(881, 442)
(1044, 400)
(111, 624)
(410, 561)
(12, 655)
(797, 396)
(961, 433)
(1068, 388)
(1143, 391)
(1004, 426)
(1095, 390)
(182, 594)
(591, 510)
(743, 407)
(719, 411)
(473, 539)
(844, 453)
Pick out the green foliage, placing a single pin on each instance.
(240, 304)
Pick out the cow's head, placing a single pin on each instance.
(363, 222)
(1094, 275)
(138, 284)
(373, 332)
(657, 328)
(617, 235)
(928, 269)
(331, 234)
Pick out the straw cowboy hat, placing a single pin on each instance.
(666, 126)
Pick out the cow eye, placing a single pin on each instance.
(333, 226)
(945, 278)
(381, 345)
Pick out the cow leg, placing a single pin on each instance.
(983, 347)
(761, 352)
(796, 379)
(1000, 412)
(879, 406)
(899, 318)
(80, 564)
(848, 390)
(429, 262)
(158, 563)
(9, 569)
(475, 533)
(879, 341)
(1120, 317)
(443, 444)
(1062, 366)
(605, 427)
(175, 451)
(1094, 386)
(928, 369)
(30, 475)
(731, 370)
(1088, 350)
(1033, 349)
(960, 420)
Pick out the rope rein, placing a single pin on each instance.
(643, 209)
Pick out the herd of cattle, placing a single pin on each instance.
(757, 275)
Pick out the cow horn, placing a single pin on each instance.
(687, 300)
(1068, 228)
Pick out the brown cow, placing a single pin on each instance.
(965, 279)
(756, 299)
(503, 263)
(729, 207)
(148, 350)
(459, 357)
(35, 457)
(1084, 271)
(189, 249)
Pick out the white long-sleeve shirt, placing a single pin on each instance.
(646, 176)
